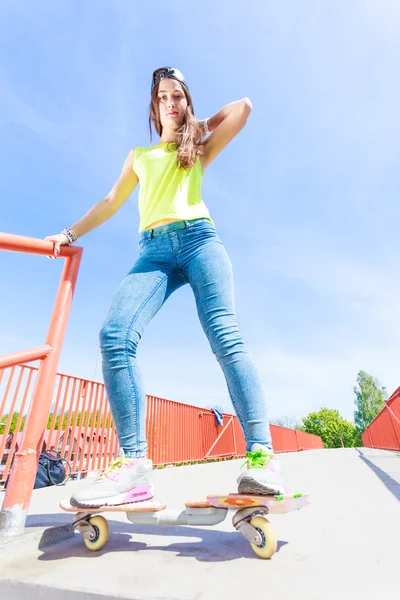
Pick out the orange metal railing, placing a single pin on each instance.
(384, 430)
(19, 490)
(79, 426)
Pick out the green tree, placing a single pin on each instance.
(13, 424)
(332, 428)
(369, 401)
(91, 419)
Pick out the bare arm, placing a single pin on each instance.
(116, 197)
(104, 209)
(224, 126)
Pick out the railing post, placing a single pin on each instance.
(370, 437)
(221, 433)
(393, 422)
(19, 489)
(234, 436)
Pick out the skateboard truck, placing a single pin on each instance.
(241, 522)
(82, 523)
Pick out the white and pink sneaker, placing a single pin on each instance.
(262, 476)
(125, 480)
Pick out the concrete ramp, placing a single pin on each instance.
(344, 545)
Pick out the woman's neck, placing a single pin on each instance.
(168, 137)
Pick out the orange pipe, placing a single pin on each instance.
(24, 356)
(20, 243)
(19, 489)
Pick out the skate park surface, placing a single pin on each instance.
(343, 545)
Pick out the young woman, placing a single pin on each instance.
(178, 245)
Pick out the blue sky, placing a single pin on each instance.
(305, 199)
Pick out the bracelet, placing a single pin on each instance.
(70, 234)
(206, 130)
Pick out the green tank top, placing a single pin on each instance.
(167, 191)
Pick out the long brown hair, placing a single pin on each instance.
(189, 134)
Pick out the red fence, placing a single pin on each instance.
(80, 426)
(384, 431)
(291, 440)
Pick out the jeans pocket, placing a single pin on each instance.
(202, 228)
(202, 224)
(208, 234)
(143, 241)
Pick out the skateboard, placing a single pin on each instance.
(249, 518)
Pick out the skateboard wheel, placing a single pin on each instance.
(100, 526)
(268, 546)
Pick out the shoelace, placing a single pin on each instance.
(115, 464)
(258, 459)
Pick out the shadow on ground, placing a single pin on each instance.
(213, 545)
(392, 485)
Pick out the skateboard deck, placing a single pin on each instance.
(145, 506)
(278, 504)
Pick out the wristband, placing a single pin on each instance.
(70, 234)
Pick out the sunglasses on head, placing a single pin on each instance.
(167, 72)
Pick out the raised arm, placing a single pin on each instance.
(104, 209)
(224, 126)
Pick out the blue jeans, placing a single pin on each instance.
(169, 257)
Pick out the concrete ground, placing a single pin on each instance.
(344, 545)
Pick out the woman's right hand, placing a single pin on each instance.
(60, 239)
